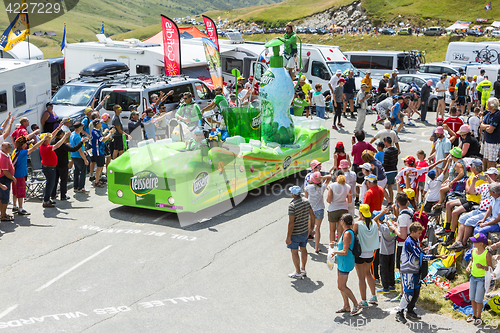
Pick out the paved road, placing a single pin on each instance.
(92, 266)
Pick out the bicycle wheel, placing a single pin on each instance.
(406, 62)
(484, 55)
(493, 56)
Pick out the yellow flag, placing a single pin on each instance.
(18, 29)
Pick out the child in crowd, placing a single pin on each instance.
(380, 151)
(299, 104)
(397, 115)
(149, 123)
(339, 156)
(319, 100)
(421, 163)
(474, 122)
(387, 249)
(432, 188)
(479, 263)
(338, 103)
(410, 268)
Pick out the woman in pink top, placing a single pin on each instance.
(421, 163)
(357, 150)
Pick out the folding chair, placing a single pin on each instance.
(35, 184)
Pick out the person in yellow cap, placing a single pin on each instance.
(382, 85)
(305, 87)
(368, 239)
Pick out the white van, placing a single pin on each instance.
(466, 52)
(381, 62)
(492, 71)
(137, 90)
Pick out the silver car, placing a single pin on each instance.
(418, 80)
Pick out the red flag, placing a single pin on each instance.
(171, 46)
(211, 30)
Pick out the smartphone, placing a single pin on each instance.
(482, 177)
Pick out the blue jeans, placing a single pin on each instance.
(50, 177)
(489, 228)
(320, 112)
(477, 289)
(79, 173)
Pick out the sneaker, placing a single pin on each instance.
(470, 319)
(410, 123)
(392, 288)
(52, 198)
(352, 116)
(412, 315)
(15, 209)
(23, 211)
(303, 272)
(425, 122)
(344, 115)
(450, 240)
(455, 246)
(83, 191)
(47, 205)
(340, 125)
(383, 290)
(363, 304)
(396, 299)
(66, 197)
(334, 127)
(91, 178)
(443, 232)
(400, 316)
(294, 275)
(373, 300)
(52, 202)
(356, 310)
(374, 126)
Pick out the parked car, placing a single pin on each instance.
(300, 30)
(434, 31)
(388, 31)
(495, 34)
(404, 31)
(475, 33)
(311, 31)
(439, 68)
(322, 31)
(418, 80)
(270, 31)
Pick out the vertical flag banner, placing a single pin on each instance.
(63, 43)
(211, 30)
(488, 6)
(18, 29)
(102, 28)
(213, 60)
(171, 46)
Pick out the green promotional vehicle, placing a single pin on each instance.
(263, 145)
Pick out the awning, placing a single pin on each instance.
(458, 26)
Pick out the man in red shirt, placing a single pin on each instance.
(374, 197)
(22, 130)
(6, 177)
(453, 121)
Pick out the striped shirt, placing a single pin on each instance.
(300, 209)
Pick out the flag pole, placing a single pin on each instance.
(29, 54)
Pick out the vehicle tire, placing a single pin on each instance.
(433, 105)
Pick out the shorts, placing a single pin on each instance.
(342, 272)
(490, 151)
(99, 160)
(118, 143)
(382, 113)
(428, 206)
(348, 97)
(421, 185)
(4, 195)
(298, 240)
(289, 62)
(391, 177)
(440, 98)
(319, 214)
(334, 217)
(363, 260)
(19, 190)
(399, 250)
(477, 289)
(467, 204)
(452, 94)
(395, 121)
(461, 100)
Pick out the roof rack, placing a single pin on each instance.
(145, 80)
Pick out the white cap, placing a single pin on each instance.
(338, 71)
(491, 171)
(366, 166)
(395, 71)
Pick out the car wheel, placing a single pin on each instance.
(433, 105)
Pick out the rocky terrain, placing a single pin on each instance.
(351, 15)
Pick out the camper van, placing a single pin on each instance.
(137, 90)
(466, 52)
(491, 71)
(24, 88)
(381, 62)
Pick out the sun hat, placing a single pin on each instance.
(464, 129)
(87, 109)
(477, 163)
(371, 178)
(44, 135)
(133, 113)
(366, 166)
(376, 212)
(315, 164)
(341, 80)
(316, 178)
(456, 152)
(409, 159)
(479, 238)
(364, 85)
(410, 193)
(296, 190)
(250, 76)
(368, 72)
(105, 116)
(474, 77)
(395, 71)
(431, 174)
(440, 130)
(387, 75)
(339, 145)
(241, 78)
(439, 120)
(343, 164)
(365, 210)
(492, 171)
(338, 71)
(66, 120)
(429, 83)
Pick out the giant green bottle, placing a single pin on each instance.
(276, 94)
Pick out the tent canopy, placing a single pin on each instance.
(496, 24)
(185, 33)
(458, 26)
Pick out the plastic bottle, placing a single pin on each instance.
(276, 93)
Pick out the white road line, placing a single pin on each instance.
(72, 268)
(6, 312)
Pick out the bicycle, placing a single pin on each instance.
(487, 55)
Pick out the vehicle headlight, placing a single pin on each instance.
(119, 194)
(171, 200)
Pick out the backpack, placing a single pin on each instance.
(447, 272)
(356, 248)
(380, 98)
(459, 295)
(423, 220)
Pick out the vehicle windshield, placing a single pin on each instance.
(123, 98)
(344, 67)
(71, 94)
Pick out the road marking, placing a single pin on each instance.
(6, 312)
(73, 268)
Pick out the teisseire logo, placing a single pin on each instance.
(267, 78)
(143, 182)
(287, 162)
(200, 182)
(256, 122)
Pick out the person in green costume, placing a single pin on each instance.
(219, 98)
(290, 51)
(189, 112)
(299, 104)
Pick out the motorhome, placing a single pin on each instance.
(25, 88)
(491, 71)
(381, 62)
(23, 50)
(466, 52)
